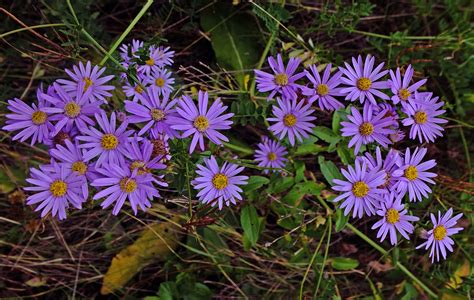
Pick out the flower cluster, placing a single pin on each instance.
(374, 185)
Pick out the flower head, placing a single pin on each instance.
(439, 237)
(283, 79)
(162, 81)
(140, 155)
(159, 57)
(71, 156)
(135, 90)
(389, 165)
(324, 88)
(128, 51)
(402, 91)
(270, 154)
(219, 185)
(362, 80)
(292, 117)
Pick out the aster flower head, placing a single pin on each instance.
(439, 238)
(135, 90)
(423, 117)
(363, 81)
(200, 121)
(394, 219)
(71, 157)
(413, 175)
(128, 51)
(88, 77)
(282, 80)
(55, 188)
(402, 91)
(360, 190)
(292, 118)
(109, 143)
(159, 57)
(390, 164)
(119, 184)
(140, 155)
(33, 121)
(161, 80)
(154, 110)
(219, 185)
(324, 89)
(367, 128)
(270, 154)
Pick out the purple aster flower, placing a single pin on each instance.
(154, 110)
(362, 80)
(270, 154)
(60, 137)
(33, 121)
(162, 81)
(135, 90)
(56, 187)
(69, 110)
(360, 189)
(414, 176)
(71, 156)
(367, 128)
(141, 157)
(91, 79)
(389, 165)
(390, 112)
(120, 184)
(283, 79)
(292, 118)
(423, 118)
(201, 121)
(109, 143)
(219, 185)
(324, 89)
(402, 91)
(439, 237)
(398, 136)
(159, 58)
(394, 218)
(128, 51)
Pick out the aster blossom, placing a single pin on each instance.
(158, 58)
(128, 51)
(161, 80)
(390, 164)
(403, 92)
(201, 121)
(70, 155)
(363, 81)
(292, 118)
(439, 237)
(270, 154)
(282, 80)
(135, 90)
(324, 89)
(219, 185)
(140, 156)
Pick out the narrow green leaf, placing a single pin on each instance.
(326, 134)
(344, 263)
(250, 224)
(255, 182)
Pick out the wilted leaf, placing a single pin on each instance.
(36, 281)
(462, 271)
(380, 267)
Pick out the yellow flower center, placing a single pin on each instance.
(322, 89)
(160, 82)
(220, 181)
(109, 141)
(128, 185)
(79, 167)
(420, 117)
(88, 82)
(150, 61)
(392, 216)
(289, 120)
(364, 83)
(58, 188)
(403, 94)
(281, 79)
(201, 123)
(271, 156)
(157, 114)
(360, 189)
(39, 117)
(140, 165)
(72, 109)
(138, 89)
(366, 129)
(411, 173)
(439, 232)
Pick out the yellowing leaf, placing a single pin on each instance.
(462, 271)
(246, 82)
(155, 243)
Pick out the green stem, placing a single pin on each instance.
(324, 259)
(239, 148)
(460, 122)
(262, 60)
(468, 155)
(127, 31)
(387, 37)
(31, 27)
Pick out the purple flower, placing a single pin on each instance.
(140, 156)
(388, 165)
(402, 91)
(56, 187)
(362, 80)
(134, 90)
(414, 176)
(270, 154)
(162, 81)
(120, 184)
(394, 218)
(201, 121)
(324, 89)
(127, 51)
(292, 118)
(283, 79)
(60, 137)
(439, 237)
(360, 190)
(367, 128)
(159, 58)
(90, 79)
(219, 185)
(33, 121)
(71, 157)
(109, 143)
(423, 117)
(153, 110)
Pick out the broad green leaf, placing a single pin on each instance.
(305, 149)
(344, 153)
(250, 224)
(326, 134)
(329, 170)
(298, 191)
(344, 263)
(255, 182)
(341, 220)
(280, 184)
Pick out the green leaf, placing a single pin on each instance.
(326, 134)
(250, 224)
(344, 263)
(255, 182)
(300, 190)
(168, 290)
(306, 149)
(341, 220)
(344, 153)
(329, 170)
(280, 184)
